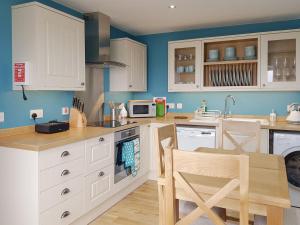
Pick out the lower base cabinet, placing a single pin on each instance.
(65, 213)
(99, 186)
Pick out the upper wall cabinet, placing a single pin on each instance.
(133, 77)
(184, 66)
(280, 63)
(52, 44)
(231, 63)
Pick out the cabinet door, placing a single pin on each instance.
(65, 57)
(280, 61)
(138, 71)
(184, 66)
(99, 186)
(145, 148)
(99, 152)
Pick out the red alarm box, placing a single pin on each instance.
(21, 73)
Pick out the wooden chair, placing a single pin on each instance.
(178, 164)
(247, 132)
(164, 137)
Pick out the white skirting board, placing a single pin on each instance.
(93, 214)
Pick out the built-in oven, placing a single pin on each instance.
(121, 137)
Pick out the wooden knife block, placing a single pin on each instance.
(77, 118)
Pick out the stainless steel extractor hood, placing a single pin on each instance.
(97, 41)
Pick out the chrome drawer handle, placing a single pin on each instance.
(64, 154)
(65, 191)
(65, 172)
(65, 214)
(101, 174)
(101, 139)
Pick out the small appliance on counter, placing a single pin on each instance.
(141, 108)
(294, 113)
(52, 127)
(161, 103)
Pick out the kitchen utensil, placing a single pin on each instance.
(213, 55)
(294, 113)
(230, 53)
(213, 77)
(249, 52)
(220, 76)
(237, 75)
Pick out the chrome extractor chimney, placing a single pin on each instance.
(97, 41)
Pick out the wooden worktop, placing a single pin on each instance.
(25, 137)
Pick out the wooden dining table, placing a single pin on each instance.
(268, 186)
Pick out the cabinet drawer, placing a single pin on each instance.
(65, 213)
(61, 173)
(60, 155)
(60, 193)
(98, 186)
(99, 152)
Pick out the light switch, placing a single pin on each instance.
(171, 105)
(179, 105)
(1, 117)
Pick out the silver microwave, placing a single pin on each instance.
(141, 108)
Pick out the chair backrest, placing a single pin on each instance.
(164, 137)
(241, 136)
(207, 166)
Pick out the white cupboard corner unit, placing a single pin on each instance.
(52, 42)
(184, 66)
(133, 77)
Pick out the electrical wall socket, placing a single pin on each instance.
(1, 117)
(65, 110)
(39, 113)
(171, 105)
(179, 105)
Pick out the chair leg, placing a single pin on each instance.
(161, 205)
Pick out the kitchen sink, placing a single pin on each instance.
(262, 121)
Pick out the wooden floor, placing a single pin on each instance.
(141, 208)
(138, 208)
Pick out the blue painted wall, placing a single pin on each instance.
(247, 102)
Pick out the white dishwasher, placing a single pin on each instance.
(192, 137)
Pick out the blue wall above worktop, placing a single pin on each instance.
(258, 102)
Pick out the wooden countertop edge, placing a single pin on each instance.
(7, 135)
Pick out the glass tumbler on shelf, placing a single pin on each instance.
(277, 69)
(285, 69)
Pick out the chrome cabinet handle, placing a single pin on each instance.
(65, 214)
(101, 139)
(82, 83)
(65, 191)
(64, 154)
(65, 173)
(264, 85)
(101, 174)
(130, 85)
(197, 86)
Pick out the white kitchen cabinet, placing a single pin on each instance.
(184, 66)
(145, 148)
(280, 61)
(133, 77)
(99, 152)
(52, 43)
(99, 186)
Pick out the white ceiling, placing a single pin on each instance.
(154, 16)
